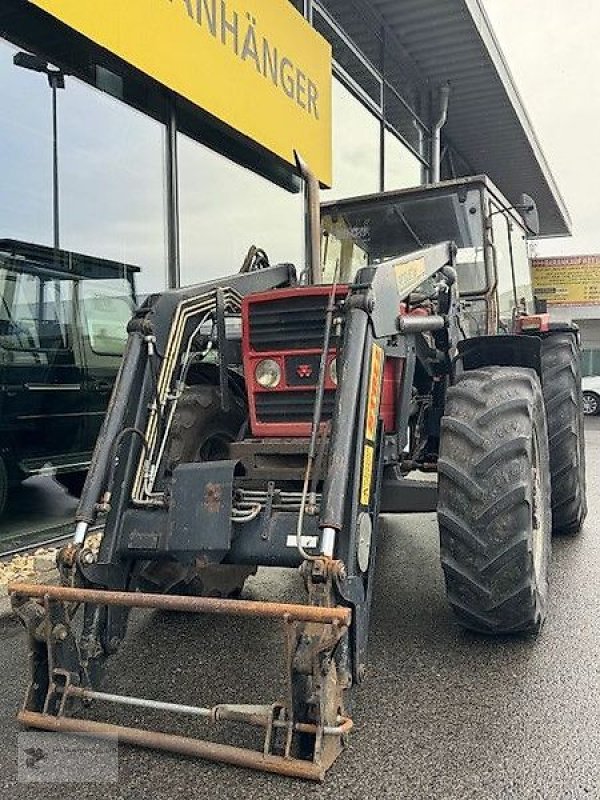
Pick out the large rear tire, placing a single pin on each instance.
(561, 373)
(201, 431)
(494, 501)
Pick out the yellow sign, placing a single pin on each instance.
(567, 280)
(256, 65)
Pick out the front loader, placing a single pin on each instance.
(268, 419)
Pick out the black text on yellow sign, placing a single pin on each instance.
(255, 65)
(371, 420)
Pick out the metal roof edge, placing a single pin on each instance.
(484, 27)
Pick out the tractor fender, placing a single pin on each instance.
(505, 350)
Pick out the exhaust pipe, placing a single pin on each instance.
(436, 134)
(312, 221)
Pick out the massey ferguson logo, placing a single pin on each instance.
(304, 371)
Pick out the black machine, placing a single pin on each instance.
(62, 321)
(270, 418)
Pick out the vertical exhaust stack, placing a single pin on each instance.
(436, 133)
(312, 216)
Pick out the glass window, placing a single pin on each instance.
(521, 266)
(504, 276)
(112, 183)
(590, 363)
(25, 153)
(376, 230)
(107, 307)
(356, 147)
(350, 62)
(403, 170)
(19, 312)
(224, 209)
(35, 316)
(366, 36)
(403, 121)
(400, 74)
(111, 172)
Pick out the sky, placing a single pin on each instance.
(553, 51)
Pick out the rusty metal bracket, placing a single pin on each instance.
(312, 632)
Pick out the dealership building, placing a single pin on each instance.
(177, 121)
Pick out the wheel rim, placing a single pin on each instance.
(590, 404)
(539, 532)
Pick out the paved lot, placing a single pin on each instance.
(443, 714)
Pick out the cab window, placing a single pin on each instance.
(503, 264)
(521, 267)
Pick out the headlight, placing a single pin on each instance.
(268, 374)
(333, 371)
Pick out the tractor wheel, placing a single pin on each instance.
(73, 482)
(494, 501)
(561, 374)
(201, 431)
(3, 486)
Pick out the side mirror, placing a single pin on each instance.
(527, 208)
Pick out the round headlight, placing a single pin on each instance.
(333, 371)
(268, 374)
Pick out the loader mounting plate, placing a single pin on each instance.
(311, 634)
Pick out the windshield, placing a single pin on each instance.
(376, 230)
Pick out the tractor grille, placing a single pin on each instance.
(296, 406)
(292, 323)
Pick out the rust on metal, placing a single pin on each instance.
(211, 751)
(200, 605)
(213, 495)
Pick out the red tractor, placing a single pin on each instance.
(269, 418)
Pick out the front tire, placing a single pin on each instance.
(494, 501)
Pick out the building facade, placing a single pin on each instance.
(143, 180)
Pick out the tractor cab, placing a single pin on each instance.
(490, 236)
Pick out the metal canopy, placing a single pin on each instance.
(452, 40)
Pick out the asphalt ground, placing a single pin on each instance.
(443, 714)
(37, 505)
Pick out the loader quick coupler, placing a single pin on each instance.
(304, 733)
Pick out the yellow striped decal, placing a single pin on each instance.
(372, 417)
(374, 392)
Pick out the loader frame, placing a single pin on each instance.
(332, 537)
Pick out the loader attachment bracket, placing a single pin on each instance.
(303, 736)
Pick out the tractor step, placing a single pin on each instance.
(58, 666)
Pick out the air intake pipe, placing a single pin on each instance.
(436, 133)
